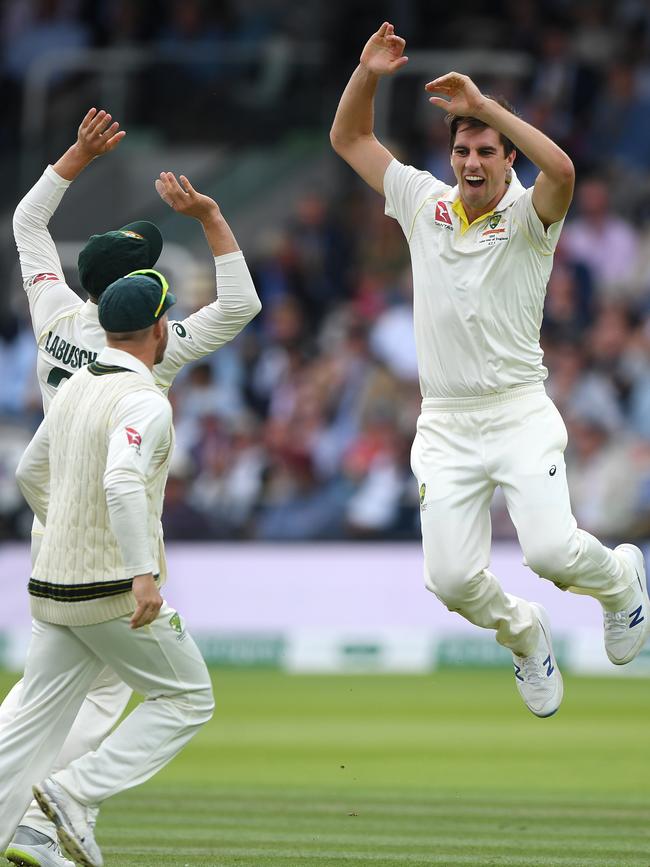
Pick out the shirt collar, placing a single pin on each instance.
(90, 311)
(514, 191)
(120, 358)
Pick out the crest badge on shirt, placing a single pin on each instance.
(443, 215)
(495, 229)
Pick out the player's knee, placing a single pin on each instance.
(202, 702)
(452, 586)
(549, 560)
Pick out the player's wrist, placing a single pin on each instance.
(212, 218)
(489, 111)
(370, 74)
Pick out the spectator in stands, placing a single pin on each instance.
(599, 238)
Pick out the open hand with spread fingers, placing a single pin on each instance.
(182, 197)
(383, 52)
(461, 96)
(98, 134)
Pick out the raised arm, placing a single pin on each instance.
(237, 303)
(40, 265)
(352, 134)
(554, 185)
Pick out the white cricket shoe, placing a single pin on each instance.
(627, 629)
(76, 829)
(31, 848)
(538, 678)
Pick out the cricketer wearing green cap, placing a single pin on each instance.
(105, 258)
(69, 335)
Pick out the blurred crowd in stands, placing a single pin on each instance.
(301, 429)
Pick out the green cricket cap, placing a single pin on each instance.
(105, 258)
(135, 302)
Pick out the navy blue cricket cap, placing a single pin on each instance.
(135, 302)
(105, 258)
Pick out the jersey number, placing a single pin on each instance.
(57, 375)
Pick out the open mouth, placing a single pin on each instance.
(474, 180)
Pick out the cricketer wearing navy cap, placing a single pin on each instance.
(135, 302)
(69, 336)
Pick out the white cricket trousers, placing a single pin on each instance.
(463, 449)
(159, 661)
(106, 700)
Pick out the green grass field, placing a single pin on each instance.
(447, 769)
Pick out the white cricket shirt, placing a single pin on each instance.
(478, 290)
(67, 330)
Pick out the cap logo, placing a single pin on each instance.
(131, 234)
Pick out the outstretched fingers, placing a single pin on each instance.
(187, 186)
(115, 138)
(170, 191)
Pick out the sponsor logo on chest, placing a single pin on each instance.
(442, 215)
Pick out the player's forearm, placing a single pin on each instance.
(216, 324)
(218, 234)
(128, 511)
(355, 117)
(539, 148)
(72, 163)
(31, 217)
(236, 292)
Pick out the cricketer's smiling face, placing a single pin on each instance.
(481, 168)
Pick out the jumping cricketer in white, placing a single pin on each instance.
(69, 336)
(481, 254)
(94, 475)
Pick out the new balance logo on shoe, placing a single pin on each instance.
(537, 676)
(626, 629)
(636, 616)
(550, 668)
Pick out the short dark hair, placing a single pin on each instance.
(455, 120)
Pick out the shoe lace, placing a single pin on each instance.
(533, 669)
(54, 846)
(616, 621)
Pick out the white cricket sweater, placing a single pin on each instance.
(79, 577)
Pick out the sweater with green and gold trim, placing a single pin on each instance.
(79, 576)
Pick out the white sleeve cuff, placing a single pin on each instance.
(228, 257)
(56, 177)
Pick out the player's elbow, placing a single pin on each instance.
(340, 141)
(565, 171)
(19, 221)
(254, 308)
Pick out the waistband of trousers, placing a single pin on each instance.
(480, 401)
